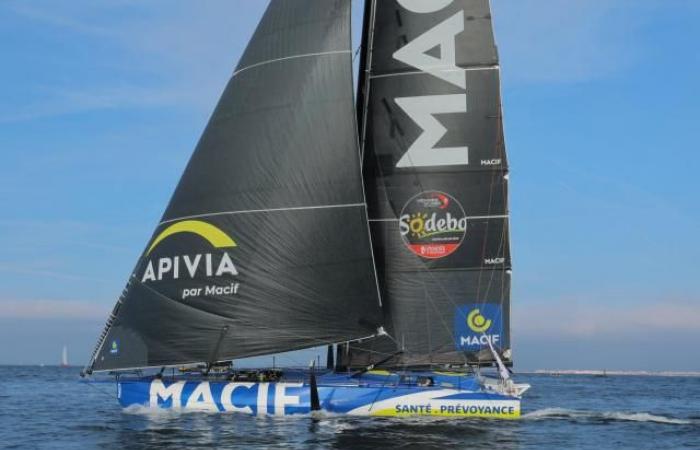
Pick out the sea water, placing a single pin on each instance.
(49, 408)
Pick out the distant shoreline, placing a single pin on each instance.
(551, 372)
(645, 373)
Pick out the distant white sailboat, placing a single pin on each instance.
(64, 357)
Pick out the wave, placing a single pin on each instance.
(561, 413)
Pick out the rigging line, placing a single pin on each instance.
(504, 230)
(500, 144)
(101, 391)
(449, 298)
(287, 58)
(486, 233)
(379, 392)
(437, 310)
(369, 350)
(108, 325)
(252, 211)
(357, 52)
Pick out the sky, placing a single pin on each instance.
(102, 103)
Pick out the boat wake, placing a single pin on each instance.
(602, 416)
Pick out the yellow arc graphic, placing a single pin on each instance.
(477, 322)
(212, 234)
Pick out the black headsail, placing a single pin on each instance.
(264, 246)
(435, 173)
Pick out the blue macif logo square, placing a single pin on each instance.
(477, 324)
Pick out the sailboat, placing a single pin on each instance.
(306, 217)
(64, 357)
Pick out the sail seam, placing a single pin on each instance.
(500, 216)
(286, 58)
(436, 69)
(249, 211)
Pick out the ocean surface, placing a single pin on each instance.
(49, 408)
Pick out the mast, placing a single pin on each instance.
(363, 79)
(264, 246)
(435, 174)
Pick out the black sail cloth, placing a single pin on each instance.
(264, 246)
(435, 174)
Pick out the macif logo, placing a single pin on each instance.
(477, 322)
(175, 267)
(477, 325)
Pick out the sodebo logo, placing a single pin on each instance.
(433, 224)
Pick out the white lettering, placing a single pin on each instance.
(201, 399)
(424, 6)
(443, 36)
(262, 399)
(282, 399)
(422, 110)
(226, 266)
(480, 340)
(164, 266)
(192, 264)
(171, 266)
(174, 392)
(227, 398)
(231, 289)
(149, 274)
(192, 292)
(207, 260)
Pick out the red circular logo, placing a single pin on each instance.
(433, 224)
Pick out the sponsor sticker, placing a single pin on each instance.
(212, 271)
(433, 224)
(475, 325)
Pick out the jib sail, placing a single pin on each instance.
(435, 173)
(264, 246)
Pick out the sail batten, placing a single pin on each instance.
(266, 234)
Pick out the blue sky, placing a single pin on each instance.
(101, 104)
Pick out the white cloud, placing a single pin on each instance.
(71, 101)
(52, 309)
(571, 319)
(163, 54)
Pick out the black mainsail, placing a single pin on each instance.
(435, 174)
(264, 246)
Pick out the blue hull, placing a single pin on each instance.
(373, 394)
